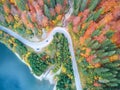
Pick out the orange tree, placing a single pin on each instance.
(95, 25)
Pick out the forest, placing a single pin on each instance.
(94, 26)
(40, 62)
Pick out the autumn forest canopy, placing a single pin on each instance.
(94, 26)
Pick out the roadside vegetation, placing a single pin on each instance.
(28, 17)
(59, 57)
(95, 32)
(13, 44)
(62, 59)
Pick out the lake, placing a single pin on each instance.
(15, 75)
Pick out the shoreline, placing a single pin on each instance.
(39, 45)
(48, 75)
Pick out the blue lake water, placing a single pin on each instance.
(14, 75)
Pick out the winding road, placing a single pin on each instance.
(37, 46)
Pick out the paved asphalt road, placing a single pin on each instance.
(37, 46)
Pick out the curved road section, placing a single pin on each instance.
(37, 46)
